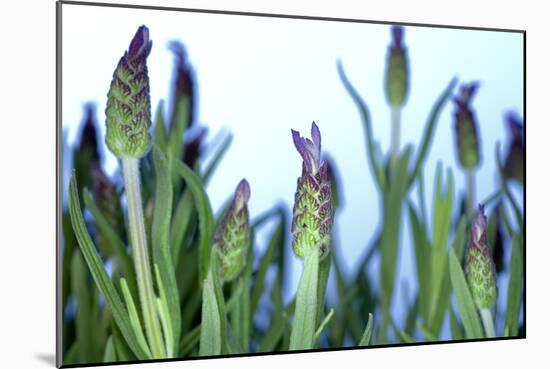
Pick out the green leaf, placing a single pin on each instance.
(109, 356)
(324, 270)
(303, 329)
(211, 336)
(222, 150)
(160, 127)
(365, 117)
(429, 130)
(84, 319)
(241, 316)
(464, 301)
(456, 329)
(322, 326)
(423, 256)
(389, 242)
(101, 278)
(274, 334)
(178, 125)
(506, 190)
(160, 238)
(515, 288)
(134, 317)
(114, 240)
(365, 339)
(442, 216)
(190, 341)
(206, 217)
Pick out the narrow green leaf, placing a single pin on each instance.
(134, 317)
(160, 238)
(178, 125)
(423, 256)
(99, 274)
(303, 329)
(430, 336)
(365, 339)
(506, 190)
(515, 288)
(365, 117)
(160, 127)
(114, 240)
(274, 335)
(389, 244)
(464, 301)
(222, 150)
(206, 217)
(324, 270)
(443, 207)
(211, 336)
(109, 356)
(190, 341)
(456, 329)
(429, 131)
(84, 318)
(323, 324)
(163, 313)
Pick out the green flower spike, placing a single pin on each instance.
(312, 213)
(232, 235)
(480, 269)
(397, 75)
(128, 104)
(467, 140)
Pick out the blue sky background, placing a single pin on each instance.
(260, 77)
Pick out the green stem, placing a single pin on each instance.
(487, 319)
(138, 238)
(395, 133)
(470, 179)
(303, 329)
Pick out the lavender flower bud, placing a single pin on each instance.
(397, 76)
(480, 269)
(514, 165)
(467, 140)
(231, 237)
(183, 80)
(312, 213)
(128, 104)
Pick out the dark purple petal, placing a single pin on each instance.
(310, 151)
(140, 45)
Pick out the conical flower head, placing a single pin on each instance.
(514, 166)
(128, 103)
(232, 235)
(312, 213)
(397, 69)
(466, 135)
(480, 269)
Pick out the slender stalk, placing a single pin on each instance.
(470, 183)
(132, 184)
(395, 133)
(487, 319)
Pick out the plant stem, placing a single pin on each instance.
(132, 184)
(487, 319)
(470, 191)
(395, 133)
(303, 329)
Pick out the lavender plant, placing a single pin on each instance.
(154, 272)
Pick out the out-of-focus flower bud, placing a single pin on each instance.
(184, 85)
(514, 167)
(480, 269)
(107, 199)
(232, 235)
(86, 153)
(467, 140)
(312, 213)
(397, 69)
(128, 103)
(333, 178)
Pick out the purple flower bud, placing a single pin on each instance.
(313, 208)
(231, 238)
(480, 268)
(466, 134)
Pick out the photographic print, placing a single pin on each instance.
(246, 184)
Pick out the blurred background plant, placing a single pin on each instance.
(199, 314)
